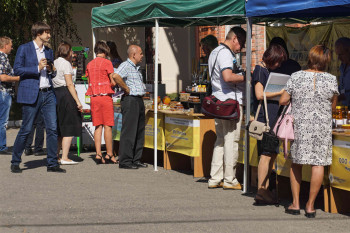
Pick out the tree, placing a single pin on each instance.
(17, 17)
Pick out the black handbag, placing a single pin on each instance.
(270, 142)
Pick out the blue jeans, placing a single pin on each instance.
(46, 104)
(38, 128)
(5, 105)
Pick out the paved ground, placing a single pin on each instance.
(104, 198)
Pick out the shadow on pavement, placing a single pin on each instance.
(34, 164)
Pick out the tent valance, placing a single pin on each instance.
(297, 8)
(175, 13)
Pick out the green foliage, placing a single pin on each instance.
(18, 16)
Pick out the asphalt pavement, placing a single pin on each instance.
(104, 198)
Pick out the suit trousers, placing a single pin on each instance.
(46, 105)
(225, 155)
(132, 135)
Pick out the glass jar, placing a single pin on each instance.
(339, 117)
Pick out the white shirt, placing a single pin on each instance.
(221, 89)
(40, 54)
(63, 67)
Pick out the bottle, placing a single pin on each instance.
(345, 115)
(338, 117)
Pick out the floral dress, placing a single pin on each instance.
(311, 95)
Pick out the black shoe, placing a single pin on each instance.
(56, 169)
(15, 169)
(310, 214)
(131, 166)
(139, 164)
(292, 211)
(28, 151)
(39, 152)
(5, 152)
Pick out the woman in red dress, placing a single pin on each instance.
(100, 77)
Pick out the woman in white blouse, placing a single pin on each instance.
(69, 107)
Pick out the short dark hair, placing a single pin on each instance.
(101, 47)
(210, 41)
(280, 41)
(275, 53)
(319, 58)
(240, 33)
(63, 50)
(39, 28)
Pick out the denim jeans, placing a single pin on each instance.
(46, 105)
(5, 105)
(38, 128)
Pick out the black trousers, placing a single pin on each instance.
(132, 136)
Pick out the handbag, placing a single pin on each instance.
(257, 128)
(215, 108)
(284, 127)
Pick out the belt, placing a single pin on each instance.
(45, 89)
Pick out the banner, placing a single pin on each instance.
(117, 128)
(300, 40)
(253, 149)
(182, 135)
(339, 175)
(149, 131)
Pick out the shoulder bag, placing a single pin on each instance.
(257, 128)
(284, 127)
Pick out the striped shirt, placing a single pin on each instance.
(132, 77)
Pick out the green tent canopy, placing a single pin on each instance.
(170, 13)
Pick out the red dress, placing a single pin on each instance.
(100, 90)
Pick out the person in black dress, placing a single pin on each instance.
(272, 60)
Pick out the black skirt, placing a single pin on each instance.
(69, 119)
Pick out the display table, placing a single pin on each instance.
(337, 193)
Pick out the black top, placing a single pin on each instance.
(261, 74)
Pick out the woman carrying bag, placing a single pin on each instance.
(272, 59)
(313, 93)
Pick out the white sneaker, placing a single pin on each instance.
(64, 162)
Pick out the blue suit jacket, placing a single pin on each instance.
(26, 66)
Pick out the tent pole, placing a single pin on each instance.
(93, 42)
(155, 99)
(247, 105)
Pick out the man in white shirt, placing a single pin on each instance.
(227, 83)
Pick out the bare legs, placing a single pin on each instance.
(317, 173)
(108, 140)
(64, 143)
(264, 172)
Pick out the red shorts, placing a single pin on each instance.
(102, 110)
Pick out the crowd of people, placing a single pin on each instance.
(313, 93)
(48, 97)
(49, 100)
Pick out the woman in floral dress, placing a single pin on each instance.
(313, 94)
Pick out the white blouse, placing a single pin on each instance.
(63, 67)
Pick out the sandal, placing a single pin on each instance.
(261, 201)
(310, 214)
(287, 210)
(109, 159)
(99, 159)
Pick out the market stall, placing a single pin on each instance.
(177, 13)
(307, 11)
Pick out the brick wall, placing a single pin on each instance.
(258, 41)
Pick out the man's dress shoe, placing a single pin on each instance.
(28, 151)
(127, 166)
(139, 164)
(15, 169)
(56, 169)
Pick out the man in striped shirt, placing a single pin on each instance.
(133, 111)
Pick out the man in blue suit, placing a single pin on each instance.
(35, 92)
